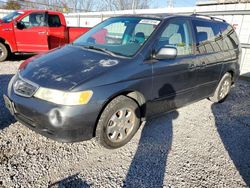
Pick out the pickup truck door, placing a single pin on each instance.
(31, 33)
(174, 79)
(57, 32)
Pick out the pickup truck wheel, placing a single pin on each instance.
(118, 123)
(3, 52)
(222, 89)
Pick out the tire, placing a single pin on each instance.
(3, 52)
(118, 123)
(222, 89)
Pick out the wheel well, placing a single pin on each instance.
(2, 40)
(135, 95)
(232, 74)
(140, 100)
(6, 44)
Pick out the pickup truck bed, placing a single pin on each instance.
(75, 32)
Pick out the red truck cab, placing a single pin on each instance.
(35, 31)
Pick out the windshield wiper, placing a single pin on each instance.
(100, 49)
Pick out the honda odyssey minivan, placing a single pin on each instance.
(122, 72)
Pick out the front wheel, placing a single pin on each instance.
(118, 123)
(3, 52)
(222, 89)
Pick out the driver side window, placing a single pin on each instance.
(33, 20)
(177, 34)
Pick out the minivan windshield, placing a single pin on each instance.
(120, 36)
(9, 17)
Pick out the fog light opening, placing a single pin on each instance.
(56, 117)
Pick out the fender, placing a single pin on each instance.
(12, 47)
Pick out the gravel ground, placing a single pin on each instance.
(201, 145)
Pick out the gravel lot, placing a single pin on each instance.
(201, 145)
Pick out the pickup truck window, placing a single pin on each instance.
(121, 35)
(11, 16)
(54, 21)
(33, 20)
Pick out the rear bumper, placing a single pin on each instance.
(61, 123)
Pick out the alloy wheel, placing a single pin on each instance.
(120, 125)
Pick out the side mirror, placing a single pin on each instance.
(19, 25)
(166, 52)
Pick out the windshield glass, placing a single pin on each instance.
(11, 16)
(121, 35)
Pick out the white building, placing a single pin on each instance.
(219, 2)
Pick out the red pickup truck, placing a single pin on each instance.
(34, 31)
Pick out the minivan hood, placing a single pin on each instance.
(67, 67)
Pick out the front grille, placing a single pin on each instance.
(24, 87)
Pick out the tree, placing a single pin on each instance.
(65, 8)
(81, 5)
(12, 5)
(112, 5)
(61, 5)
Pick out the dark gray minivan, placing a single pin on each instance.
(122, 72)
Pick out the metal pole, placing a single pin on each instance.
(170, 4)
(133, 6)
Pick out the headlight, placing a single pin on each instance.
(64, 98)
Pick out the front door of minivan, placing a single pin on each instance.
(174, 79)
(210, 56)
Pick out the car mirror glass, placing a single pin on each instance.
(166, 52)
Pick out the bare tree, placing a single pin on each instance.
(123, 4)
(60, 5)
(81, 5)
(12, 5)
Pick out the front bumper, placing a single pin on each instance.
(58, 122)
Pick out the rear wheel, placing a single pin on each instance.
(3, 52)
(222, 89)
(118, 123)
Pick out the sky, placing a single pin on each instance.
(177, 3)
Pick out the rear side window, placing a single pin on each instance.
(230, 38)
(178, 35)
(54, 21)
(208, 36)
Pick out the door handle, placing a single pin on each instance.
(203, 64)
(41, 32)
(7, 29)
(191, 67)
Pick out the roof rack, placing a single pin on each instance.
(210, 17)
